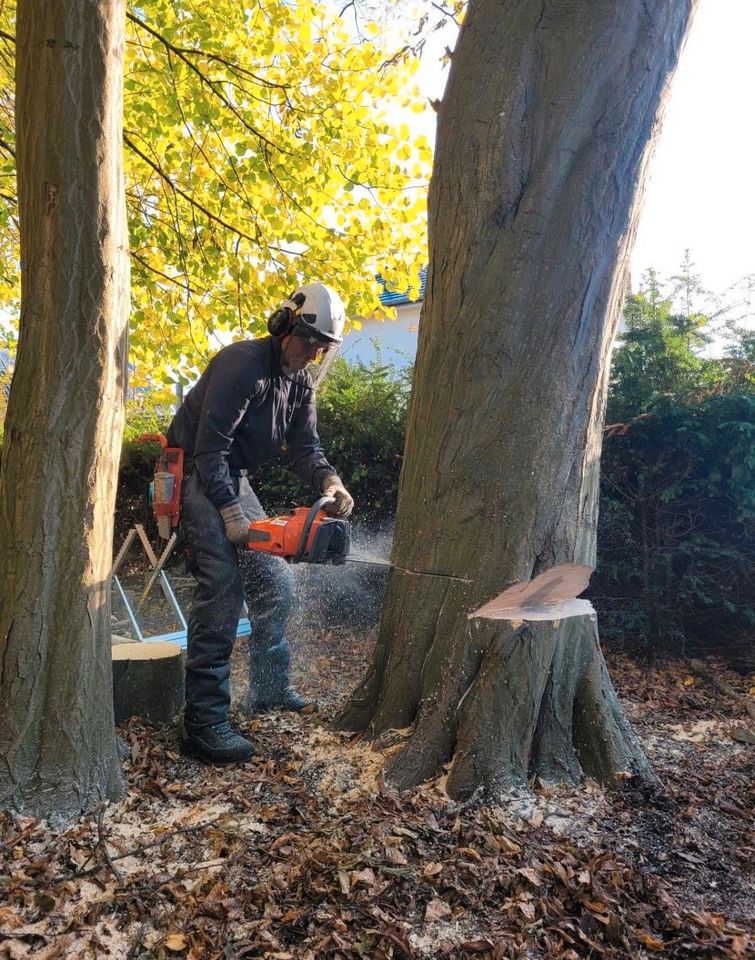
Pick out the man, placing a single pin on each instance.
(254, 397)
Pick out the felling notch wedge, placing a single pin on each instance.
(550, 596)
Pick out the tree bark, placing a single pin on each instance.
(543, 138)
(65, 415)
(148, 681)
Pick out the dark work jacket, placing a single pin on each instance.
(241, 411)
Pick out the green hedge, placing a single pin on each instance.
(676, 537)
(677, 510)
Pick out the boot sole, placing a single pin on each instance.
(197, 754)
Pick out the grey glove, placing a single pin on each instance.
(236, 524)
(333, 487)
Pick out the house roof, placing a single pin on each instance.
(390, 299)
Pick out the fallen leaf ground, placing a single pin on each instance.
(304, 853)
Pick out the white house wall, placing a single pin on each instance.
(393, 341)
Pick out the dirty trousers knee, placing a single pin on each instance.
(225, 578)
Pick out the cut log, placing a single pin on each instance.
(148, 681)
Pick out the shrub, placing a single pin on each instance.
(677, 508)
(676, 537)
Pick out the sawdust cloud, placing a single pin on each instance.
(351, 594)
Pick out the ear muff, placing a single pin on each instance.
(281, 322)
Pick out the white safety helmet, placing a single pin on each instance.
(314, 311)
(318, 308)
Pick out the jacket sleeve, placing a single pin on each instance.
(305, 454)
(226, 399)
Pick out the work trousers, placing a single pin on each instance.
(225, 578)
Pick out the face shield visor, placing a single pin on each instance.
(319, 367)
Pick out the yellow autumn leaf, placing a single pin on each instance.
(652, 943)
(688, 681)
(176, 942)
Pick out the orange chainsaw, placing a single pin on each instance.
(306, 535)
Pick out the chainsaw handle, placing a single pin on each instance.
(313, 511)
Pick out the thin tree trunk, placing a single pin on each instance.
(65, 416)
(541, 151)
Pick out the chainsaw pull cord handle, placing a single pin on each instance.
(313, 511)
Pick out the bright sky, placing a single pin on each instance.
(701, 189)
(701, 192)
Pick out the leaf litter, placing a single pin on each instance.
(305, 853)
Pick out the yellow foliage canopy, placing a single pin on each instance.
(264, 146)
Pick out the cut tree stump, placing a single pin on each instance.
(148, 681)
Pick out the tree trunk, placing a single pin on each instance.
(543, 139)
(65, 415)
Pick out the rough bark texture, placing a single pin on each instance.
(148, 681)
(65, 415)
(543, 138)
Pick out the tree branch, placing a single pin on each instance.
(241, 193)
(215, 57)
(102, 846)
(184, 284)
(205, 80)
(186, 196)
(446, 13)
